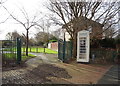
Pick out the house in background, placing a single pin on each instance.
(95, 28)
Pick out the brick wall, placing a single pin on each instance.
(53, 46)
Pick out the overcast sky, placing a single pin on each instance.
(31, 6)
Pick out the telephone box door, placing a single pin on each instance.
(83, 46)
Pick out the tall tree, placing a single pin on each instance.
(43, 37)
(80, 13)
(27, 23)
(119, 22)
(12, 35)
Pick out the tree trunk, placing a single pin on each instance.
(44, 49)
(27, 42)
(75, 45)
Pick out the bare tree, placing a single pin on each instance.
(27, 24)
(1, 5)
(79, 14)
(45, 35)
(119, 22)
(44, 24)
(12, 35)
(9, 36)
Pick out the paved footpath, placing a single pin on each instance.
(112, 76)
(42, 58)
(38, 71)
(46, 68)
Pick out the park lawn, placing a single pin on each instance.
(9, 49)
(40, 50)
(13, 56)
(9, 55)
(35, 50)
(24, 57)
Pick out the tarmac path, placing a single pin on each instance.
(112, 76)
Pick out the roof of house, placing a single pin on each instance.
(83, 21)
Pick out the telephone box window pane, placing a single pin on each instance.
(82, 51)
(82, 56)
(83, 45)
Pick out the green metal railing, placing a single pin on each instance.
(108, 55)
(11, 49)
(18, 50)
(8, 49)
(64, 50)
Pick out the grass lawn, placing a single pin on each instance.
(13, 56)
(36, 50)
(9, 55)
(40, 50)
(9, 49)
(24, 57)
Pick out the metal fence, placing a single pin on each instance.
(34, 49)
(68, 50)
(10, 50)
(104, 54)
(60, 50)
(64, 50)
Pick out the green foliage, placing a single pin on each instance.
(117, 41)
(108, 43)
(52, 40)
(105, 43)
(94, 43)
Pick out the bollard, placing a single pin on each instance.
(93, 57)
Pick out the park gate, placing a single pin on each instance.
(64, 50)
(11, 50)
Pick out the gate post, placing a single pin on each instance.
(18, 50)
(58, 49)
(64, 46)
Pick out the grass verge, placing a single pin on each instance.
(13, 56)
(35, 50)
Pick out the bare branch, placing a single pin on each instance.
(5, 20)
(26, 24)
(109, 27)
(76, 11)
(14, 17)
